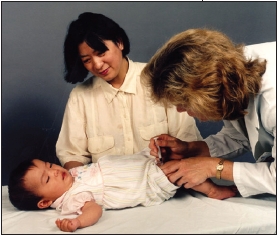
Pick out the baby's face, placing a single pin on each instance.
(48, 180)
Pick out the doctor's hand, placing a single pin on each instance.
(189, 172)
(174, 148)
(171, 147)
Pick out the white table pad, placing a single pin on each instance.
(187, 213)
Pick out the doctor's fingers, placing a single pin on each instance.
(170, 143)
(153, 147)
(170, 166)
(177, 178)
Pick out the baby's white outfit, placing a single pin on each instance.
(115, 182)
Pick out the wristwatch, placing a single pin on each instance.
(219, 169)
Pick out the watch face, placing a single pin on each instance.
(219, 167)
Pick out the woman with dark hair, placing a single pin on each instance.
(110, 112)
(203, 73)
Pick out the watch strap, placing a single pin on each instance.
(219, 168)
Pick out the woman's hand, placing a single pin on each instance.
(190, 171)
(173, 148)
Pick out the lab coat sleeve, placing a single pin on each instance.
(256, 178)
(227, 143)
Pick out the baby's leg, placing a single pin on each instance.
(212, 190)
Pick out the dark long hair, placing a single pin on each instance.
(91, 28)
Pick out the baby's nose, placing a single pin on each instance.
(56, 173)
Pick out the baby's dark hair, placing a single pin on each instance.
(21, 197)
(93, 29)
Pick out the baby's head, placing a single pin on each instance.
(20, 196)
(35, 184)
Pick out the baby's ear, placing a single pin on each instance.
(42, 204)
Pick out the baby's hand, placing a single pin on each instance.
(68, 225)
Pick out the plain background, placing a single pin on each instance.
(34, 93)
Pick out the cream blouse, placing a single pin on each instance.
(100, 119)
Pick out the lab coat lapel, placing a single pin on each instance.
(252, 124)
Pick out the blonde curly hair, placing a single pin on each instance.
(204, 70)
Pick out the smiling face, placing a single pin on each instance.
(109, 65)
(47, 180)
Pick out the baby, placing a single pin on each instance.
(114, 182)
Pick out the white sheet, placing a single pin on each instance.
(187, 213)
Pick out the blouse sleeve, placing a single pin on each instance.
(72, 142)
(75, 203)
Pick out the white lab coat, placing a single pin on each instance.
(260, 122)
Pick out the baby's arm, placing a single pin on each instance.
(91, 213)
